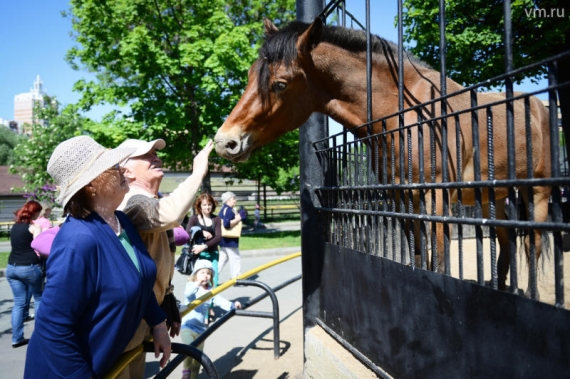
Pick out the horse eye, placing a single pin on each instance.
(279, 86)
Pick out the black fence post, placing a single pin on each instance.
(312, 244)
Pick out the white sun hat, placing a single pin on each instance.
(77, 161)
(142, 147)
(202, 263)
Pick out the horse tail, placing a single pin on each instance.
(523, 233)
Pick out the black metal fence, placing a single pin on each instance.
(368, 206)
(379, 210)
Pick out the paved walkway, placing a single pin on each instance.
(241, 348)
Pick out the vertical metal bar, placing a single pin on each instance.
(477, 178)
(311, 176)
(410, 223)
(393, 192)
(400, 58)
(402, 171)
(368, 69)
(460, 207)
(556, 209)
(530, 211)
(444, 148)
(432, 150)
(492, 204)
(422, 200)
(386, 221)
(511, 207)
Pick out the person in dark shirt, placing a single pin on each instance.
(211, 226)
(24, 272)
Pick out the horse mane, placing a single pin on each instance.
(280, 47)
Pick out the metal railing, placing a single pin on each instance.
(185, 351)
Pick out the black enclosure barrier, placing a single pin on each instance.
(445, 218)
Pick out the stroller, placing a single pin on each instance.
(185, 263)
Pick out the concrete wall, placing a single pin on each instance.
(325, 358)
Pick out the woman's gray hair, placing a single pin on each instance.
(227, 195)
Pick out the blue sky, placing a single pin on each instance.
(33, 41)
(35, 38)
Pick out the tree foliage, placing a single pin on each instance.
(275, 165)
(179, 67)
(8, 141)
(475, 35)
(475, 40)
(32, 154)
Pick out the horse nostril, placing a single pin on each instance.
(231, 144)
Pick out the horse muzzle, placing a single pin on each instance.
(232, 148)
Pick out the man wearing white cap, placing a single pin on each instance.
(155, 217)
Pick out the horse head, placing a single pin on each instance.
(277, 98)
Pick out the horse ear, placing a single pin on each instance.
(269, 27)
(311, 37)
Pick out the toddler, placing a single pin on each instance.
(194, 323)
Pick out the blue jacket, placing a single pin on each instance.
(93, 301)
(195, 320)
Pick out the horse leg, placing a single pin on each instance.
(540, 201)
(419, 229)
(503, 239)
(439, 233)
(420, 244)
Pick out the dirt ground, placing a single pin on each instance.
(545, 272)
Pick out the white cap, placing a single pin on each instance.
(142, 147)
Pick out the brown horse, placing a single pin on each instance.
(306, 68)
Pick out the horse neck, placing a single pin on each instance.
(342, 78)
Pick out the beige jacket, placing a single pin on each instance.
(153, 217)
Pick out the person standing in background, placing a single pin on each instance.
(204, 217)
(43, 221)
(24, 272)
(256, 217)
(229, 247)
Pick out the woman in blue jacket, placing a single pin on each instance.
(99, 274)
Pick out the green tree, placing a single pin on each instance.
(475, 35)
(179, 67)
(8, 140)
(275, 165)
(32, 154)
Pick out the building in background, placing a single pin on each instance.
(24, 106)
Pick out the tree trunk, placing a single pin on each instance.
(207, 183)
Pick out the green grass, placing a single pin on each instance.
(270, 240)
(246, 242)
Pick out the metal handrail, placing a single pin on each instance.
(129, 356)
(176, 361)
(191, 351)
